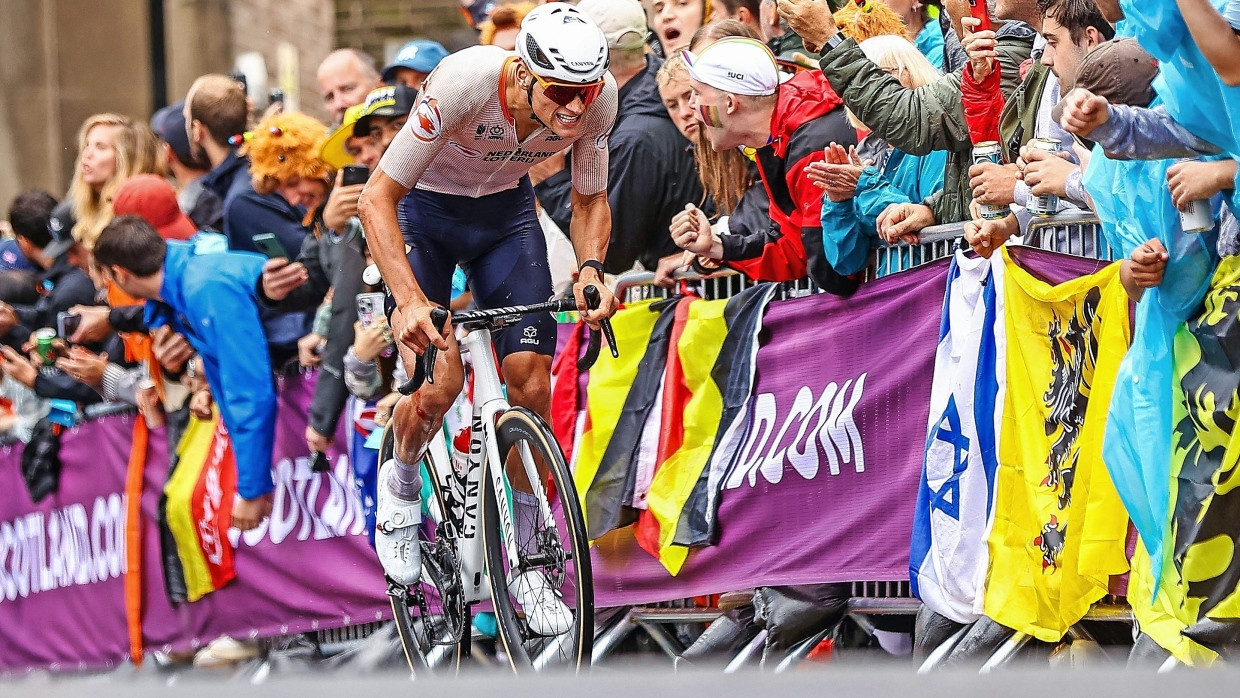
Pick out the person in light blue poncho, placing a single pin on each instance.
(861, 184)
(1198, 114)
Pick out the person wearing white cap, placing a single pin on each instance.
(739, 98)
(650, 167)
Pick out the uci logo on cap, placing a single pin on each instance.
(736, 76)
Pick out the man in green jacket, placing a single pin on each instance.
(915, 121)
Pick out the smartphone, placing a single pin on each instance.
(369, 309)
(67, 323)
(355, 174)
(270, 246)
(979, 11)
(275, 96)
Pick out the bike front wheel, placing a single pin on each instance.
(551, 572)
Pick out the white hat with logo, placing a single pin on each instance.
(737, 65)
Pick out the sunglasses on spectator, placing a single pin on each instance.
(563, 93)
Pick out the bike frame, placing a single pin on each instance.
(485, 460)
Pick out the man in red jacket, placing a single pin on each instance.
(739, 98)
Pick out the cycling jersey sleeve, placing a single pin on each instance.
(449, 100)
(590, 151)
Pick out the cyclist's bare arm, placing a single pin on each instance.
(590, 231)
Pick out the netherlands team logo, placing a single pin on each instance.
(426, 122)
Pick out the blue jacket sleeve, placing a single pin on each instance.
(845, 245)
(242, 385)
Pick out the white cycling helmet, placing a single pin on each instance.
(559, 42)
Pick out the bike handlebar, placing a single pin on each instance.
(424, 371)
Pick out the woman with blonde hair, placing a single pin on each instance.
(111, 149)
(860, 184)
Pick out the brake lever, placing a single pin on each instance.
(424, 370)
(593, 300)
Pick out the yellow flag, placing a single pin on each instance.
(610, 381)
(675, 479)
(1059, 526)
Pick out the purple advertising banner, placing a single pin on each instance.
(62, 605)
(824, 485)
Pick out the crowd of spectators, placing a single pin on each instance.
(218, 248)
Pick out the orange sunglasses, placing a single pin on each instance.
(563, 93)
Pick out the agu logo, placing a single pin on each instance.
(426, 122)
(531, 335)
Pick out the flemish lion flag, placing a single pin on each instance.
(1198, 602)
(200, 497)
(1059, 527)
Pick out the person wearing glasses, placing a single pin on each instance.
(452, 189)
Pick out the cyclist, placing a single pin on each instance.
(453, 189)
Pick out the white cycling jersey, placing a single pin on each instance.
(462, 140)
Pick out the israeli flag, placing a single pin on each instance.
(955, 499)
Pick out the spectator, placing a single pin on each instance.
(915, 122)
(384, 114)
(414, 62)
(345, 77)
(111, 149)
(288, 183)
(923, 25)
(675, 21)
(650, 169)
(344, 147)
(747, 12)
(215, 116)
(56, 255)
(737, 91)
(858, 192)
(211, 300)
(336, 260)
(154, 200)
(203, 206)
(501, 29)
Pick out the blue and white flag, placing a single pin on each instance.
(955, 499)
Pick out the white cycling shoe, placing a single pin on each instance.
(544, 610)
(396, 532)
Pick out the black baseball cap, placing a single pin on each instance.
(169, 125)
(389, 101)
(60, 227)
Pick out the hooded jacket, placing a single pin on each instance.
(808, 117)
(228, 180)
(212, 301)
(651, 176)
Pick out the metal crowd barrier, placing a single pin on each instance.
(1076, 233)
(936, 242)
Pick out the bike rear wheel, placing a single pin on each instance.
(556, 548)
(430, 616)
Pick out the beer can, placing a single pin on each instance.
(990, 151)
(1047, 205)
(1196, 216)
(147, 397)
(43, 339)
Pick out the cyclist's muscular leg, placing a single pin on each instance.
(417, 417)
(528, 377)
